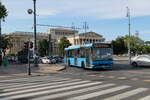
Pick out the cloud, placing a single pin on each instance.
(102, 9)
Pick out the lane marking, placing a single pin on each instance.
(134, 79)
(145, 98)
(121, 78)
(146, 80)
(98, 93)
(111, 76)
(126, 94)
(40, 85)
(101, 76)
(51, 91)
(28, 84)
(58, 95)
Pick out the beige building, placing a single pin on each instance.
(19, 38)
(84, 38)
(56, 34)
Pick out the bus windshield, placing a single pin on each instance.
(102, 53)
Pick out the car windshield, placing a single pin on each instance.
(102, 53)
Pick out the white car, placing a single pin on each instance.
(45, 60)
(141, 60)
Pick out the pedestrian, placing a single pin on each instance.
(5, 62)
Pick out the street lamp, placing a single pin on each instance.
(30, 11)
(129, 27)
(0, 43)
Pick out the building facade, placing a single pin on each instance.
(19, 38)
(84, 38)
(56, 34)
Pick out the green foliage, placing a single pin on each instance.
(120, 45)
(43, 47)
(64, 43)
(3, 11)
(6, 43)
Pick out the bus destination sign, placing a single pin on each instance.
(102, 45)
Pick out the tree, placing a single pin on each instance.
(3, 15)
(7, 44)
(64, 43)
(120, 45)
(135, 43)
(43, 47)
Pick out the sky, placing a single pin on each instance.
(106, 17)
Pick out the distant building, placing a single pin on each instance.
(56, 34)
(84, 38)
(19, 38)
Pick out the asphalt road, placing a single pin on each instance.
(121, 73)
(123, 82)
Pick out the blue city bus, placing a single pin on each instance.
(92, 56)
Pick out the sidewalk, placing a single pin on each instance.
(19, 70)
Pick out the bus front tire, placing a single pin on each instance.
(83, 65)
(69, 63)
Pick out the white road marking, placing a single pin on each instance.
(40, 85)
(58, 95)
(41, 88)
(145, 98)
(51, 91)
(127, 94)
(98, 93)
(28, 84)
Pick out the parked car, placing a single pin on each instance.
(140, 60)
(45, 60)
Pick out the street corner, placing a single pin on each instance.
(49, 68)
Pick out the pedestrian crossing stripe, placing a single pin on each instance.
(73, 92)
(28, 83)
(127, 94)
(41, 88)
(145, 98)
(57, 87)
(98, 93)
(24, 80)
(40, 85)
(53, 90)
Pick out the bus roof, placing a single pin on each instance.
(85, 45)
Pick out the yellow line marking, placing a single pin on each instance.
(121, 78)
(134, 79)
(146, 80)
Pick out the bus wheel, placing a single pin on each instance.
(83, 65)
(69, 63)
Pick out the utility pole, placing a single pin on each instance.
(0, 42)
(29, 68)
(129, 29)
(49, 45)
(85, 26)
(35, 45)
(73, 27)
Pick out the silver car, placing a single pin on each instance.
(141, 60)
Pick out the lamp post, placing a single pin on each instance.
(0, 44)
(30, 11)
(129, 29)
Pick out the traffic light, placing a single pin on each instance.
(31, 45)
(26, 45)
